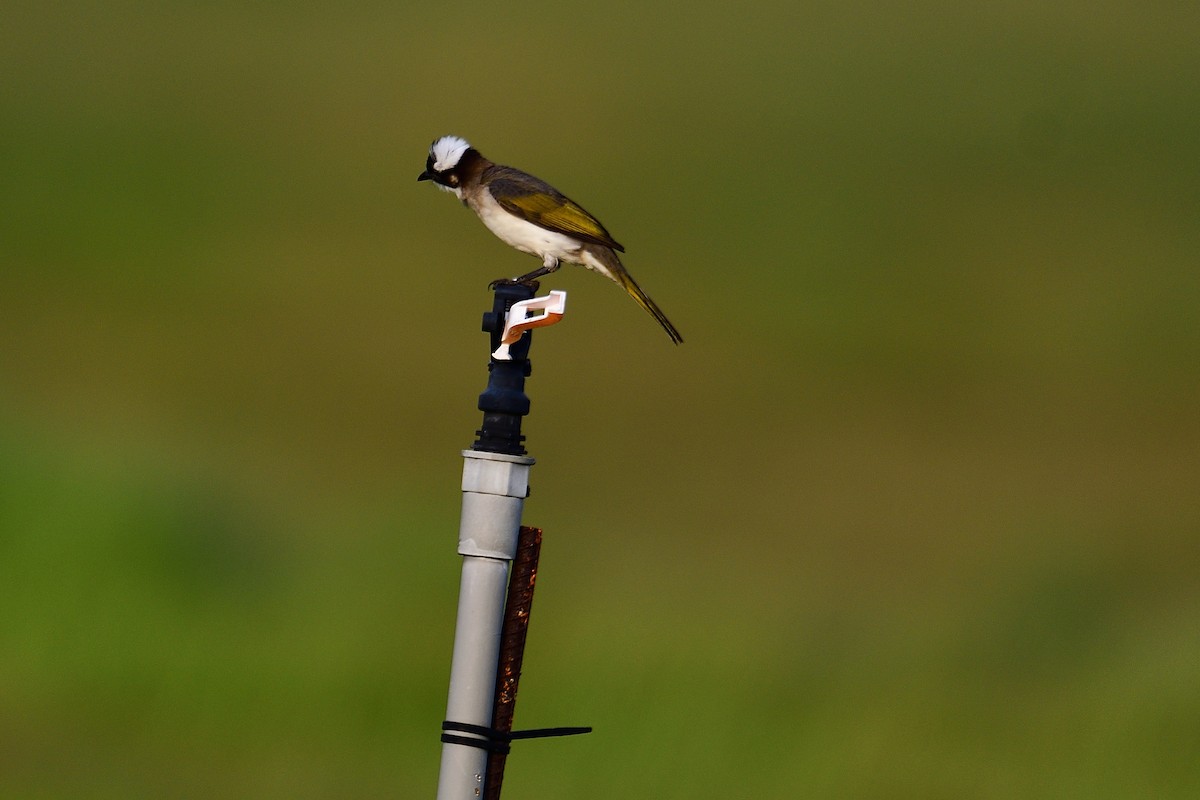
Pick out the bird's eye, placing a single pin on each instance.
(452, 179)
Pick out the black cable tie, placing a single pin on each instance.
(481, 744)
(495, 741)
(542, 733)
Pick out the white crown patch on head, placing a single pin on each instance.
(446, 152)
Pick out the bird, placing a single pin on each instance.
(532, 216)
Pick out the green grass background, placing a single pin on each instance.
(914, 512)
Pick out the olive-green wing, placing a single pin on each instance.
(540, 203)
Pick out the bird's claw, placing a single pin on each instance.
(530, 282)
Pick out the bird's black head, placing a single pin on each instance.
(442, 166)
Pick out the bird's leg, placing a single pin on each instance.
(549, 264)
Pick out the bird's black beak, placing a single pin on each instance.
(425, 176)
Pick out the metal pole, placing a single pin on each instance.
(517, 609)
(495, 483)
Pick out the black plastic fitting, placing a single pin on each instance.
(504, 402)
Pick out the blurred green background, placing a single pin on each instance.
(914, 512)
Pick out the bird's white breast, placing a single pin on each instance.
(521, 234)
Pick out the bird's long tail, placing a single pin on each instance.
(605, 261)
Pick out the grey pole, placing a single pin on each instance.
(494, 489)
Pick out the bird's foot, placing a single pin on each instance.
(523, 281)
